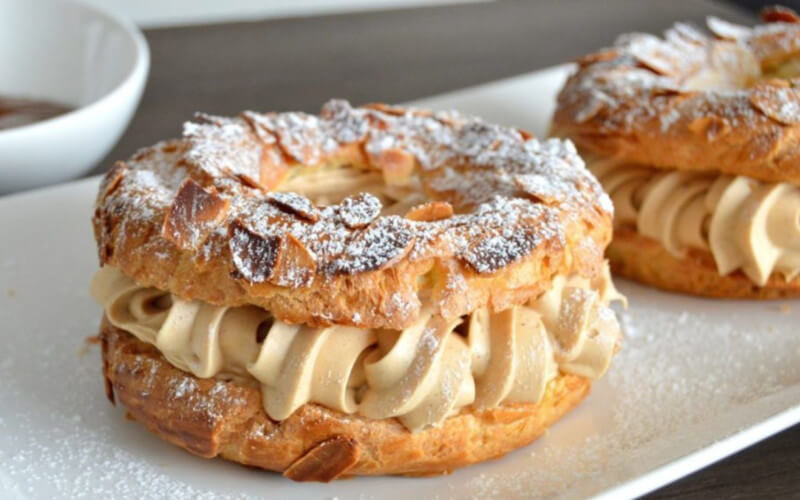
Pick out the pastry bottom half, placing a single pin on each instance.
(225, 418)
(645, 260)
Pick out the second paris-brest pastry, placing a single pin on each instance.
(372, 290)
(696, 137)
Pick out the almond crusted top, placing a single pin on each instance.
(209, 206)
(727, 100)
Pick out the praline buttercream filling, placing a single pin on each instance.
(744, 223)
(420, 375)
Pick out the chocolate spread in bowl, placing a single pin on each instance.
(16, 112)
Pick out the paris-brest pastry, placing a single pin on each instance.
(372, 290)
(696, 137)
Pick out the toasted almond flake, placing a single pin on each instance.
(192, 215)
(254, 255)
(726, 30)
(359, 210)
(432, 211)
(295, 266)
(326, 460)
(779, 14)
(296, 204)
(782, 104)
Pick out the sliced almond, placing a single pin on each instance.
(256, 122)
(725, 30)
(590, 107)
(273, 165)
(384, 243)
(601, 56)
(779, 14)
(396, 164)
(540, 188)
(654, 54)
(777, 100)
(298, 135)
(343, 124)
(432, 211)
(683, 33)
(295, 265)
(526, 136)
(254, 256)
(385, 108)
(325, 461)
(274, 168)
(359, 210)
(495, 251)
(295, 204)
(248, 181)
(211, 119)
(193, 214)
(112, 179)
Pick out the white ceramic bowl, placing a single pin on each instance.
(69, 53)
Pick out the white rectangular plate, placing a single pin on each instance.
(696, 379)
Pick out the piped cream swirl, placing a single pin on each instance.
(420, 375)
(745, 224)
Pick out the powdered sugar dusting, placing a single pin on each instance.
(486, 171)
(222, 146)
(183, 387)
(295, 203)
(253, 256)
(77, 445)
(509, 242)
(780, 104)
(359, 210)
(298, 133)
(686, 74)
(387, 240)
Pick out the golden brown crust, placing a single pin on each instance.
(213, 418)
(197, 216)
(643, 259)
(635, 101)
